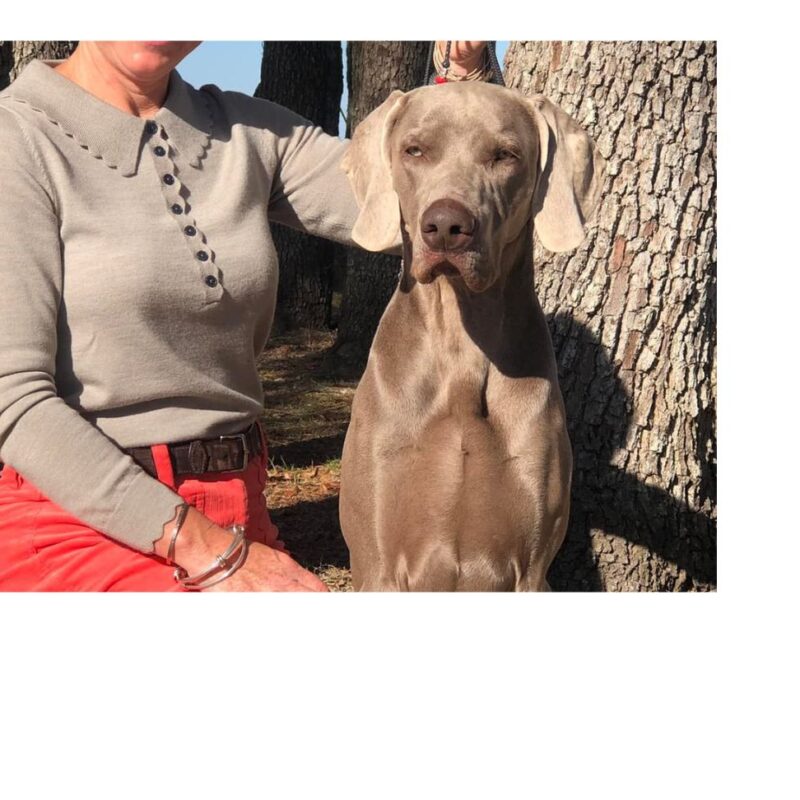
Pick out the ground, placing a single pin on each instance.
(306, 411)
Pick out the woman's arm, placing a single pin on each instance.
(310, 191)
(63, 455)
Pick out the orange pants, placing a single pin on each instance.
(45, 549)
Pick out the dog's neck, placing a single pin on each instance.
(498, 321)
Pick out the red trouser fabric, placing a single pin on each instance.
(45, 549)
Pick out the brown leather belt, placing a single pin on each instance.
(222, 454)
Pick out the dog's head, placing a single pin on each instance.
(466, 165)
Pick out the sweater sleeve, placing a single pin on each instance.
(310, 191)
(67, 458)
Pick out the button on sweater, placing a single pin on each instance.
(138, 279)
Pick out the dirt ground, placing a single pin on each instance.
(306, 411)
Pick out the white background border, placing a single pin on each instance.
(461, 696)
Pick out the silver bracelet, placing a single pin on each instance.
(221, 562)
(228, 572)
(179, 520)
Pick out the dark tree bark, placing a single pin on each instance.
(374, 69)
(307, 78)
(15, 55)
(6, 64)
(633, 313)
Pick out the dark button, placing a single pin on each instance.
(176, 209)
(151, 128)
(159, 151)
(202, 256)
(190, 230)
(169, 180)
(211, 281)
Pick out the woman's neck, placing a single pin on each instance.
(92, 72)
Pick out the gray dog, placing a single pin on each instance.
(456, 465)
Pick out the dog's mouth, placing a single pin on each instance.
(462, 266)
(444, 268)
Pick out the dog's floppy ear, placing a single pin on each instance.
(570, 179)
(368, 167)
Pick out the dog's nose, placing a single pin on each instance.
(446, 225)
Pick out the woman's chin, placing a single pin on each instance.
(146, 60)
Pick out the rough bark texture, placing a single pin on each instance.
(15, 55)
(374, 69)
(633, 313)
(307, 78)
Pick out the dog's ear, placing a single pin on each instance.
(570, 177)
(368, 167)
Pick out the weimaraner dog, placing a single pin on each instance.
(456, 466)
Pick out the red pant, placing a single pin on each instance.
(43, 548)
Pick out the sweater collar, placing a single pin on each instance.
(107, 132)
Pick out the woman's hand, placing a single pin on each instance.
(464, 56)
(265, 570)
(269, 570)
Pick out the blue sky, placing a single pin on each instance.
(237, 65)
(231, 65)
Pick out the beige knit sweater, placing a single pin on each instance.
(138, 279)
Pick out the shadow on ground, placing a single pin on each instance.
(307, 408)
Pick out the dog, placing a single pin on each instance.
(456, 465)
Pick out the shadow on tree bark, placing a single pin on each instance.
(6, 63)
(607, 500)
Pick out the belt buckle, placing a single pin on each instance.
(242, 437)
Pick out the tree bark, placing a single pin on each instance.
(633, 313)
(307, 78)
(15, 55)
(374, 69)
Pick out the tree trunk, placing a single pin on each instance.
(374, 69)
(15, 55)
(307, 78)
(633, 313)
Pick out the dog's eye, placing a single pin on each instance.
(504, 154)
(413, 151)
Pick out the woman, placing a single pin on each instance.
(139, 282)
